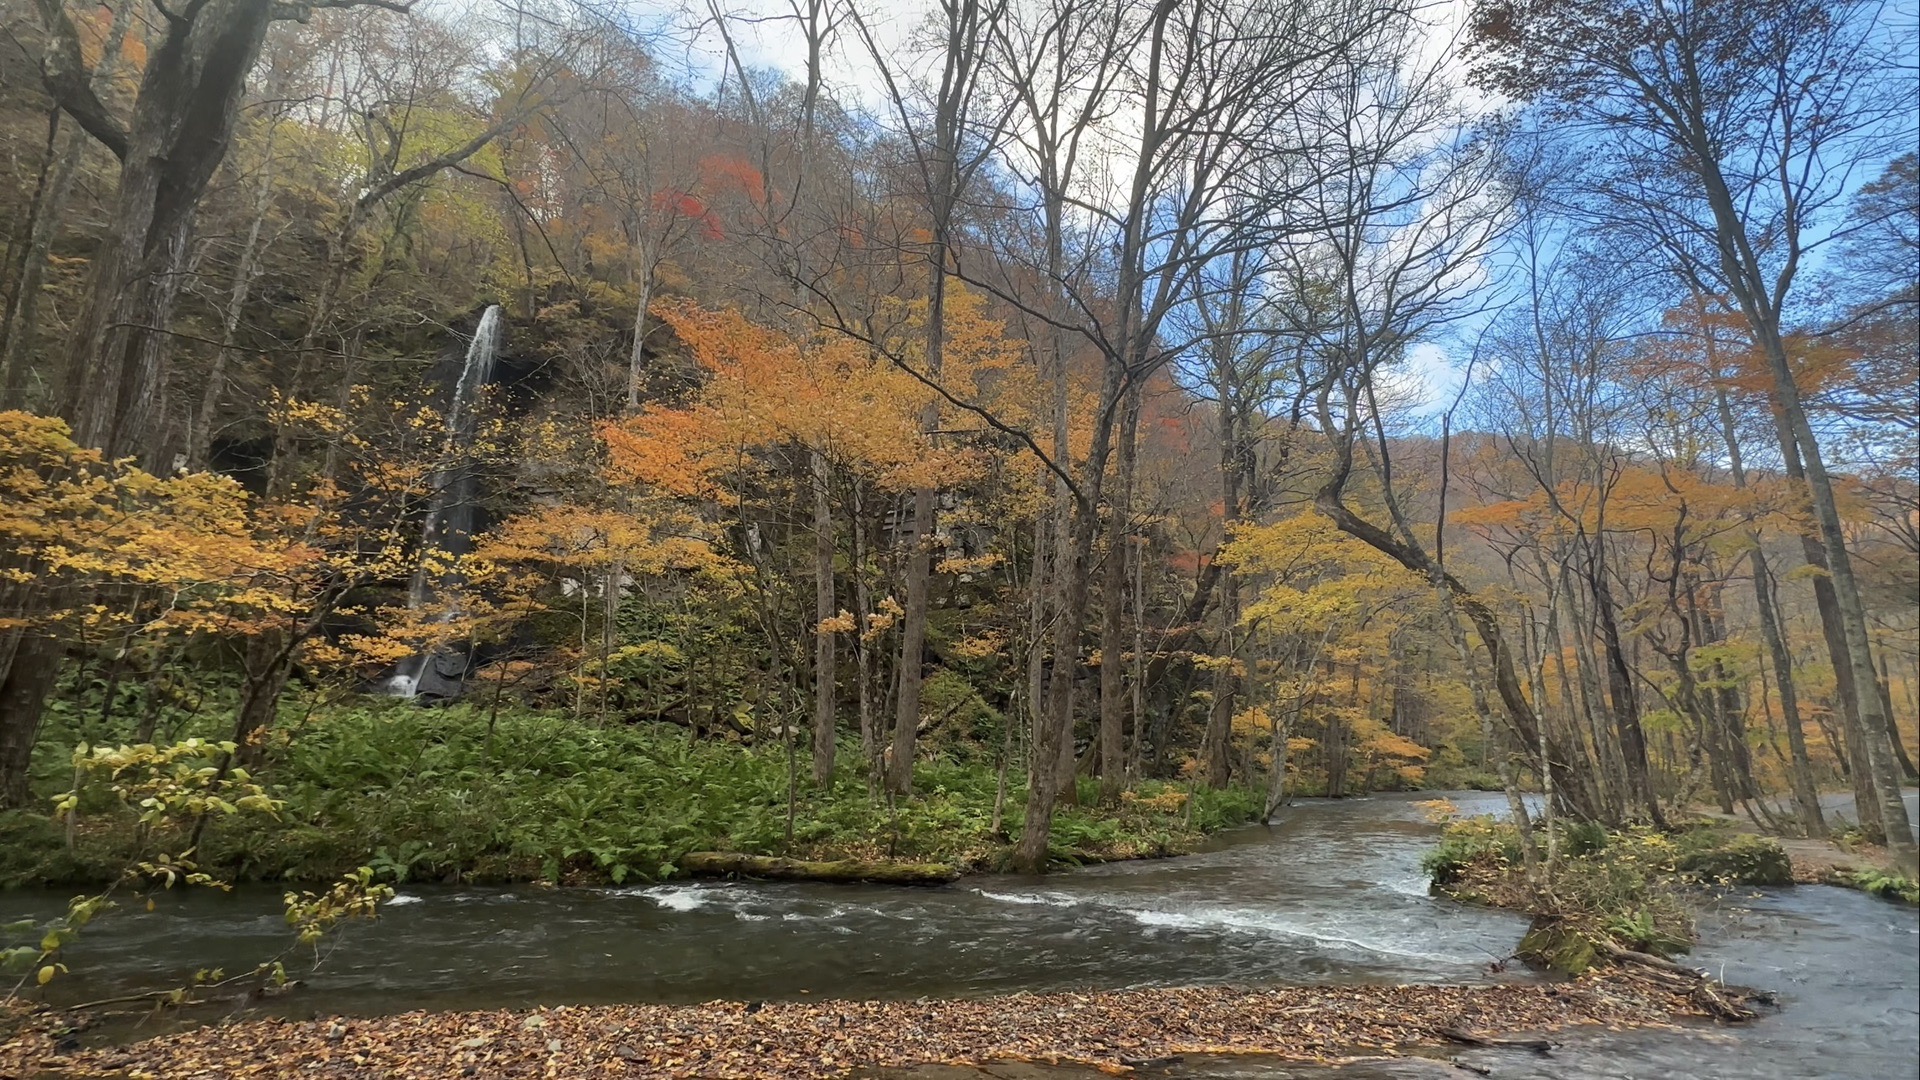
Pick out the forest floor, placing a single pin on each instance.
(1112, 1033)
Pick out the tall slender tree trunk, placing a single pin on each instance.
(200, 431)
(823, 609)
(1806, 796)
(1280, 731)
(1043, 780)
(1219, 735)
(1064, 788)
(863, 648)
(1039, 589)
(1138, 680)
(636, 356)
(1071, 573)
(1626, 709)
(1749, 283)
(1113, 598)
(911, 674)
(19, 330)
(1874, 724)
(1885, 687)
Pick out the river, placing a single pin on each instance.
(1333, 893)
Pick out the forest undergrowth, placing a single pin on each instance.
(467, 794)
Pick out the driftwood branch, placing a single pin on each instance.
(1722, 1002)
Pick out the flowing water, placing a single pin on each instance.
(1333, 893)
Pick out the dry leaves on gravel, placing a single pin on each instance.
(808, 1040)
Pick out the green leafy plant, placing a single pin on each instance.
(1888, 885)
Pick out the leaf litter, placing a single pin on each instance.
(815, 1040)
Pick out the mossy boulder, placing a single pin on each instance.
(1742, 860)
(1554, 945)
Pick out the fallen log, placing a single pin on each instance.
(1468, 1038)
(734, 864)
(1659, 963)
(1717, 999)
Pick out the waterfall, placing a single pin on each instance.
(449, 522)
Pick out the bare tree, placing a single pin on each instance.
(1723, 131)
(1187, 134)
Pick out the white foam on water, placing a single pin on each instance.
(402, 899)
(1058, 900)
(1418, 885)
(677, 897)
(1254, 922)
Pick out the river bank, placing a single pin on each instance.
(1114, 1031)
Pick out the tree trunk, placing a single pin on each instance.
(1859, 771)
(20, 330)
(913, 643)
(1749, 283)
(863, 648)
(1626, 709)
(19, 334)
(1885, 686)
(823, 609)
(200, 432)
(1070, 571)
(1806, 796)
(1113, 598)
(268, 663)
(1039, 588)
(33, 666)
(1043, 772)
(1281, 733)
(636, 359)
(182, 125)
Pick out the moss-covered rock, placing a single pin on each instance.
(1553, 944)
